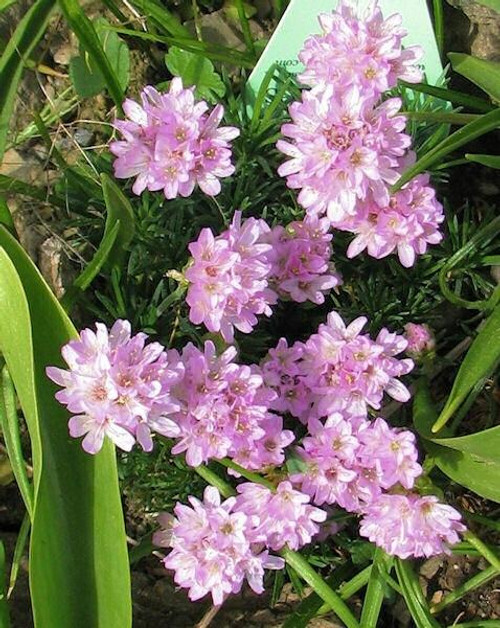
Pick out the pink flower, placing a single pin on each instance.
(280, 518)
(211, 551)
(171, 144)
(410, 525)
(342, 148)
(228, 278)
(118, 387)
(420, 339)
(363, 50)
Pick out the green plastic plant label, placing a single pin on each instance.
(301, 20)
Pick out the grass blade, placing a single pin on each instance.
(22, 43)
(22, 539)
(10, 429)
(456, 98)
(304, 569)
(382, 564)
(87, 35)
(486, 123)
(485, 74)
(4, 607)
(412, 593)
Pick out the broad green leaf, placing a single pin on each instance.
(476, 469)
(119, 211)
(484, 124)
(87, 83)
(12, 438)
(4, 607)
(86, 74)
(414, 597)
(79, 573)
(482, 357)
(89, 41)
(478, 474)
(491, 161)
(485, 74)
(483, 445)
(28, 33)
(491, 4)
(194, 69)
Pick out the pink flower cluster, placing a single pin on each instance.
(228, 284)
(117, 387)
(420, 339)
(238, 275)
(224, 411)
(121, 389)
(350, 462)
(410, 525)
(300, 257)
(212, 551)
(336, 370)
(359, 50)
(346, 149)
(216, 546)
(170, 143)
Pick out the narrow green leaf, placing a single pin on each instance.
(481, 126)
(437, 10)
(485, 74)
(482, 357)
(461, 258)
(119, 211)
(89, 40)
(4, 607)
(307, 573)
(78, 556)
(413, 595)
(164, 19)
(372, 603)
(452, 96)
(491, 161)
(459, 592)
(12, 438)
(28, 33)
(196, 70)
(22, 539)
(85, 278)
(5, 4)
(6, 217)
(310, 606)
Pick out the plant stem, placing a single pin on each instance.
(304, 569)
(473, 583)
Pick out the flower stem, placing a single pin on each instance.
(249, 475)
(304, 569)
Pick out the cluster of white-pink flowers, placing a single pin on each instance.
(347, 146)
(171, 143)
(336, 370)
(214, 408)
(239, 274)
(217, 546)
